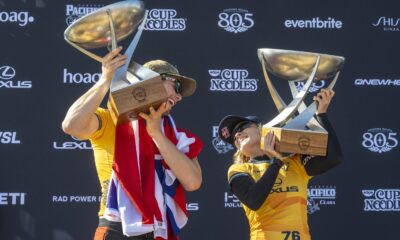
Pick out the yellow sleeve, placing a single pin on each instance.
(296, 159)
(237, 169)
(105, 120)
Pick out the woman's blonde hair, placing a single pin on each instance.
(239, 157)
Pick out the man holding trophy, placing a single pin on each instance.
(144, 162)
(273, 187)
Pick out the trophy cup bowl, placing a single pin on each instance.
(302, 133)
(134, 88)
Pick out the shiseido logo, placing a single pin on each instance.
(315, 22)
(7, 74)
(376, 82)
(320, 195)
(14, 198)
(388, 24)
(381, 200)
(139, 94)
(22, 18)
(74, 12)
(164, 20)
(232, 80)
(220, 146)
(315, 87)
(80, 78)
(72, 145)
(380, 140)
(235, 20)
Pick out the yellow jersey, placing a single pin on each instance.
(283, 215)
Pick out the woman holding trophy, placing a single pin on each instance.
(273, 188)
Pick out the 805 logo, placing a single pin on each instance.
(380, 140)
(235, 20)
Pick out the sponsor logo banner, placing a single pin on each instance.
(12, 198)
(232, 80)
(376, 82)
(80, 78)
(72, 145)
(164, 20)
(387, 24)
(220, 146)
(320, 196)
(193, 207)
(314, 23)
(7, 75)
(236, 20)
(9, 138)
(380, 140)
(22, 18)
(381, 200)
(231, 201)
(74, 12)
(75, 199)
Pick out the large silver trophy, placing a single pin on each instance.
(299, 133)
(134, 88)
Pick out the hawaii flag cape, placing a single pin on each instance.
(144, 194)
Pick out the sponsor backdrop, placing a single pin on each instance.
(48, 183)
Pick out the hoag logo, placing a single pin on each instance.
(164, 20)
(388, 24)
(235, 20)
(381, 200)
(314, 23)
(220, 146)
(231, 201)
(73, 145)
(12, 198)
(232, 80)
(21, 18)
(315, 87)
(380, 140)
(80, 78)
(73, 12)
(318, 196)
(9, 138)
(7, 74)
(376, 82)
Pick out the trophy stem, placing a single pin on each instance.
(290, 110)
(279, 103)
(86, 52)
(112, 30)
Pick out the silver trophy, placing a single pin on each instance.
(134, 88)
(301, 133)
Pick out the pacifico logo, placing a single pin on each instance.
(220, 146)
(231, 201)
(9, 138)
(21, 18)
(318, 196)
(376, 82)
(73, 12)
(234, 80)
(235, 20)
(381, 200)
(164, 20)
(388, 24)
(12, 198)
(315, 87)
(314, 23)
(80, 78)
(7, 74)
(73, 145)
(380, 140)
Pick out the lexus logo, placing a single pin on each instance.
(7, 72)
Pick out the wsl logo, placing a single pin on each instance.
(73, 145)
(80, 78)
(220, 146)
(7, 74)
(234, 80)
(319, 196)
(314, 23)
(315, 87)
(164, 20)
(73, 12)
(21, 18)
(388, 24)
(236, 20)
(381, 200)
(376, 82)
(231, 201)
(9, 138)
(380, 140)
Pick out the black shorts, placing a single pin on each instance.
(113, 231)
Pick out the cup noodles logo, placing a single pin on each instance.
(164, 20)
(74, 12)
(388, 24)
(233, 80)
(20, 18)
(382, 200)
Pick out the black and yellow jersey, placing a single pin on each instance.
(283, 215)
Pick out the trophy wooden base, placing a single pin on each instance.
(298, 141)
(126, 103)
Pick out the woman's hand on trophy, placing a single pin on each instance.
(111, 62)
(153, 118)
(269, 146)
(323, 99)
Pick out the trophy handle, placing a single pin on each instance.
(90, 54)
(112, 30)
(289, 111)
